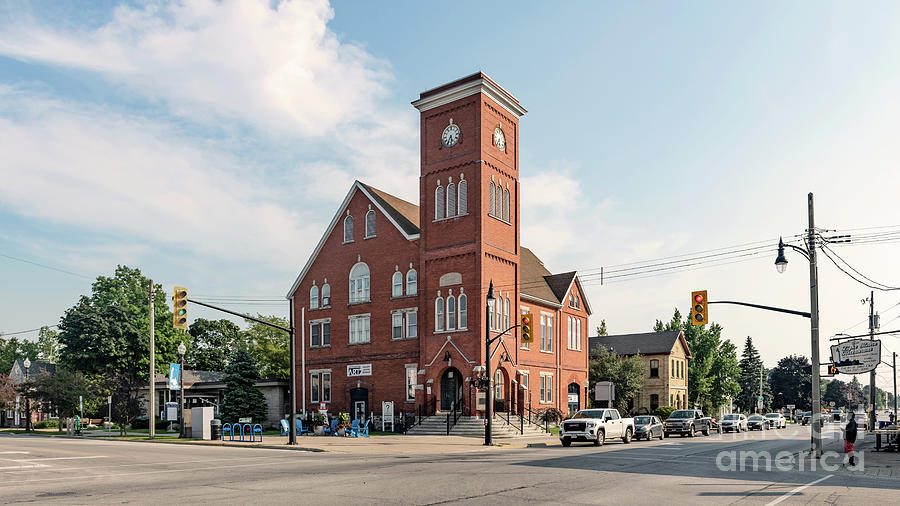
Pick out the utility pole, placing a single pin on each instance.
(759, 403)
(872, 324)
(152, 417)
(895, 387)
(814, 331)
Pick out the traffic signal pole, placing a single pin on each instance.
(872, 372)
(152, 417)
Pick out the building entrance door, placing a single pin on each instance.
(451, 389)
(359, 401)
(574, 397)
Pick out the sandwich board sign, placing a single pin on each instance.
(856, 356)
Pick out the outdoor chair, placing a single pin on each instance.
(257, 429)
(285, 428)
(364, 430)
(354, 428)
(300, 429)
(332, 431)
(226, 429)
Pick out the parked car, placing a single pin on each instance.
(757, 422)
(861, 419)
(776, 420)
(734, 422)
(687, 422)
(648, 427)
(836, 415)
(805, 417)
(596, 425)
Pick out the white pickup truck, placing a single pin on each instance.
(596, 425)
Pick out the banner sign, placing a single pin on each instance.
(359, 370)
(856, 356)
(174, 376)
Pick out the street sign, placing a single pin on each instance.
(790, 406)
(856, 356)
(171, 411)
(174, 376)
(604, 391)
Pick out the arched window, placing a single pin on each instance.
(499, 212)
(506, 205)
(491, 314)
(439, 314)
(397, 285)
(498, 384)
(348, 229)
(451, 200)
(411, 282)
(359, 283)
(370, 224)
(506, 314)
(314, 297)
(451, 313)
(462, 311)
(491, 199)
(439, 203)
(461, 190)
(326, 295)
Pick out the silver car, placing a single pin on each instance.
(776, 420)
(734, 422)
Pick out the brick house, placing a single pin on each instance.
(391, 305)
(14, 413)
(665, 356)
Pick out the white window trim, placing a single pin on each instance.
(402, 283)
(352, 232)
(404, 323)
(459, 326)
(407, 368)
(550, 327)
(548, 392)
(319, 322)
(368, 235)
(319, 372)
(350, 328)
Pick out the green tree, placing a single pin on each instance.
(726, 372)
(13, 349)
(211, 341)
(626, 373)
(60, 390)
(791, 382)
(242, 399)
(48, 345)
(855, 395)
(751, 366)
(269, 347)
(601, 330)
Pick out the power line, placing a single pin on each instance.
(57, 269)
(874, 287)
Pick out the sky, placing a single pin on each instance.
(209, 144)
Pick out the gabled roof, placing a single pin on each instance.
(648, 343)
(560, 284)
(540, 283)
(402, 214)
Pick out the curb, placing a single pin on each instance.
(181, 442)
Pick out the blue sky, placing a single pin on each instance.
(208, 143)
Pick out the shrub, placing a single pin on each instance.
(663, 412)
(141, 422)
(46, 424)
(550, 415)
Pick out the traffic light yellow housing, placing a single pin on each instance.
(699, 314)
(179, 310)
(527, 328)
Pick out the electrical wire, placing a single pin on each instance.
(884, 288)
(57, 269)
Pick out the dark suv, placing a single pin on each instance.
(687, 422)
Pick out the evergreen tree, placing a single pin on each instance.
(601, 330)
(750, 365)
(242, 399)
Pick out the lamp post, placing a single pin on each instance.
(27, 365)
(487, 366)
(781, 265)
(181, 349)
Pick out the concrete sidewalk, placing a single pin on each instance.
(880, 464)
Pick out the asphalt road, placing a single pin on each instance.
(674, 471)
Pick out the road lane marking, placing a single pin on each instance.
(8, 453)
(798, 490)
(63, 458)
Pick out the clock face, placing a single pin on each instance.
(499, 139)
(450, 136)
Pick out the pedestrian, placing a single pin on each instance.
(891, 418)
(850, 439)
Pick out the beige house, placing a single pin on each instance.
(665, 356)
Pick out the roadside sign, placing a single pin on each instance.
(790, 406)
(856, 356)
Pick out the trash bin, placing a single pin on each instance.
(215, 429)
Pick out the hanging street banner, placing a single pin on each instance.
(174, 376)
(856, 356)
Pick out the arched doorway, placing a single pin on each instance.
(574, 397)
(359, 403)
(451, 389)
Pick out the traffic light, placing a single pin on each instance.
(832, 369)
(699, 315)
(179, 311)
(527, 328)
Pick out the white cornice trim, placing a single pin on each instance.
(469, 88)
(334, 221)
(525, 296)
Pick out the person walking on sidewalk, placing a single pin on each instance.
(850, 439)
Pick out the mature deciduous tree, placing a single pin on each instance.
(626, 373)
(48, 345)
(14, 349)
(269, 347)
(211, 341)
(60, 390)
(790, 381)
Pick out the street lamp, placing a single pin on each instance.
(27, 365)
(781, 265)
(488, 415)
(181, 349)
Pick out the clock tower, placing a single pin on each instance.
(469, 220)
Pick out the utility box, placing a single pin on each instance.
(200, 419)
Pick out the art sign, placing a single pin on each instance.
(856, 356)
(359, 370)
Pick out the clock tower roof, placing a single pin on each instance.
(478, 82)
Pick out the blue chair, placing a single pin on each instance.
(332, 431)
(364, 430)
(285, 428)
(354, 428)
(226, 429)
(301, 430)
(257, 429)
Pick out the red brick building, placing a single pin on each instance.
(391, 305)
